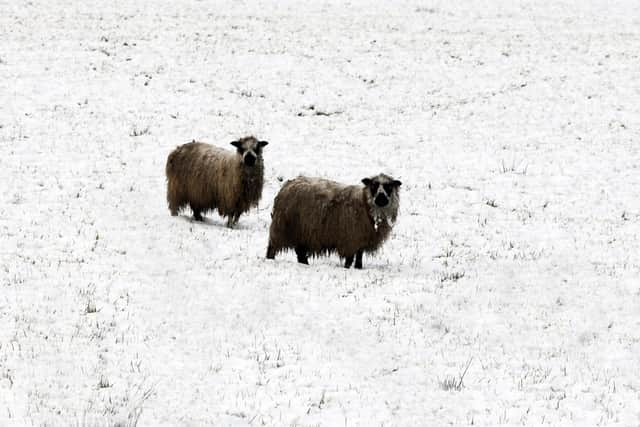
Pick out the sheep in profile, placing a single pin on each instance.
(316, 216)
(206, 178)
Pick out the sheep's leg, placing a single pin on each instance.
(197, 213)
(233, 220)
(271, 253)
(301, 252)
(359, 259)
(348, 261)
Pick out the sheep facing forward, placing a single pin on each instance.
(206, 177)
(316, 216)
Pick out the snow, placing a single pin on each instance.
(513, 126)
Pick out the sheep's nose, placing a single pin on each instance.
(381, 200)
(249, 160)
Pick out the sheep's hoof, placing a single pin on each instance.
(359, 260)
(231, 222)
(348, 262)
(271, 254)
(301, 253)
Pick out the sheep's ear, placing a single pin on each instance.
(262, 143)
(366, 181)
(236, 144)
(396, 183)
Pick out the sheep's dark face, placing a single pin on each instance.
(382, 188)
(250, 149)
(382, 193)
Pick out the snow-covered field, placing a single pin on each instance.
(514, 126)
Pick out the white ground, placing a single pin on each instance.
(514, 125)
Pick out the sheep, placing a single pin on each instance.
(206, 178)
(316, 216)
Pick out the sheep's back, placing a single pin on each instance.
(208, 173)
(323, 215)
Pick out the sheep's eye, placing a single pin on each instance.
(374, 187)
(387, 188)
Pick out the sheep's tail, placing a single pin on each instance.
(169, 169)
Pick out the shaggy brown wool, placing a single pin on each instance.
(206, 178)
(319, 217)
